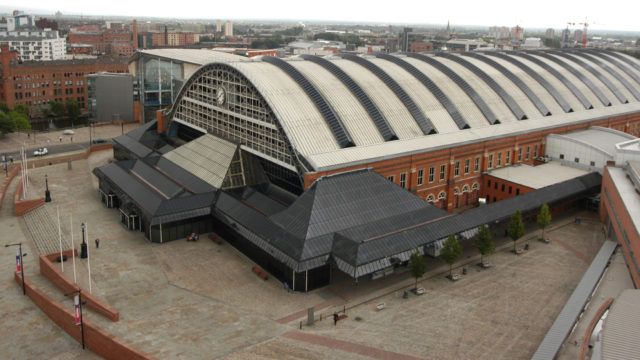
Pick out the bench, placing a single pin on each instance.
(419, 291)
(380, 306)
(519, 251)
(455, 277)
(261, 273)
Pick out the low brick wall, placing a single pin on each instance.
(22, 207)
(97, 340)
(61, 159)
(13, 172)
(51, 272)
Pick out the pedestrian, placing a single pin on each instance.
(335, 319)
(60, 138)
(72, 139)
(11, 159)
(97, 243)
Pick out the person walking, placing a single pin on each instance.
(335, 319)
(97, 243)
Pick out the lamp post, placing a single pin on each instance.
(83, 245)
(20, 263)
(77, 302)
(47, 193)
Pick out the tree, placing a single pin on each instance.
(20, 121)
(6, 123)
(544, 218)
(484, 242)
(417, 266)
(451, 251)
(22, 109)
(73, 110)
(515, 229)
(56, 108)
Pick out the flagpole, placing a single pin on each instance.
(73, 249)
(86, 231)
(60, 238)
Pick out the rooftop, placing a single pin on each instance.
(192, 56)
(537, 177)
(601, 138)
(619, 339)
(627, 190)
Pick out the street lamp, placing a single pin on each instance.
(77, 302)
(47, 193)
(19, 264)
(83, 246)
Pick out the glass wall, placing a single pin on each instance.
(160, 81)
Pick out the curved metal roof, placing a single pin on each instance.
(416, 100)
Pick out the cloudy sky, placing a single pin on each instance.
(611, 14)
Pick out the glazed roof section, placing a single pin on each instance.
(622, 326)
(564, 86)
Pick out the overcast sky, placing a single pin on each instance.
(611, 14)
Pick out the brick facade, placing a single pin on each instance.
(35, 83)
(462, 187)
(614, 214)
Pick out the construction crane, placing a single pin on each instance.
(585, 25)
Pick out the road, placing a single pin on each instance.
(53, 149)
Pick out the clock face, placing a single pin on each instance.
(221, 95)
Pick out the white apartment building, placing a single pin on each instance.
(36, 45)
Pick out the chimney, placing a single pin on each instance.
(160, 126)
(134, 28)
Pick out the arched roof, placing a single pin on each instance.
(443, 98)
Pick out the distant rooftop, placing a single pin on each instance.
(619, 338)
(537, 177)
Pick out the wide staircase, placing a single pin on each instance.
(43, 228)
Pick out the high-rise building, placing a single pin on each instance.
(566, 34)
(550, 33)
(218, 26)
(228, 28)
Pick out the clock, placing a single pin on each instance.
(221, 95)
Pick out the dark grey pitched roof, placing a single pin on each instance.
(406, 238)
(181, 208)
(347, 200)
(132, 145)
(136, 134)
(187, 180)
(261, 202)
(156, 180)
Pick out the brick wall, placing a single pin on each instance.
(614, 212)
(51, 272)
(522, 149)
(97, 340)
(13, 172)
(22, 207)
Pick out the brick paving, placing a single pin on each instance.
(348, 346)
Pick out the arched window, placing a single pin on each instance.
(456, 191)
(442, 195)
(465, 188)
(431, 198)
(475, 186)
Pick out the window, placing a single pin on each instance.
(535, 151)
(432, 174)
(508, 158)
(517, 191)
(510, 189)
(476, 165)
(490, 161)
(466, 166)
(528, 153)
(495, 185)
(561, 156)
(503, 186)
(499, 159)
(456, 169)
(420, 176)
(488, 183)
(519, 154)
(443, 169)
(577, 160)
(403, 180)
(592, 163)
(391, 178)
(431, 198)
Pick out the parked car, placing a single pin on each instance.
(41, 152)
(99, 141)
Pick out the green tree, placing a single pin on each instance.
(72, 109)
(544, 218)
(484, 242)
(417, 266)
(451, 251)
(56, 108)
(20, 121)
(515, 229)
(4, 107)
(6, 123)
(22, 109)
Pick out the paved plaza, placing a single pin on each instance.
(200, 300)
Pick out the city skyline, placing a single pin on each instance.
(489, 13)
